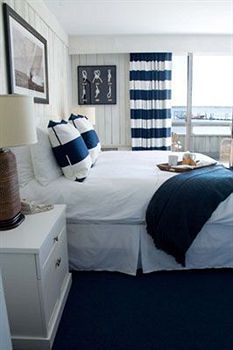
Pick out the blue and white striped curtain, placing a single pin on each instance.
(150, 100)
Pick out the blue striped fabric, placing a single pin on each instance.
(151, 75)
(151, 56)
(69, 150)
(150, 94)
(150, 100)
(84, 126)
(150, 114)
(149, 133)
(162, 148)
(90, 138)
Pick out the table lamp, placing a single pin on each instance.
(17, 127)
(88, 112)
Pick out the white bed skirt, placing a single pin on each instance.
(125, 247)
(106, 216)
(104, 247)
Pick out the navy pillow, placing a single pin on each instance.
(84, 126)
(70, 150)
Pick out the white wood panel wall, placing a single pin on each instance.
(59, 62)
(112, 121)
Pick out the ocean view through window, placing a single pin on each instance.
(212, 101)
(207, 120)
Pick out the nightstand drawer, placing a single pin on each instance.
(53, 274)
(52, 239)
(36, 280)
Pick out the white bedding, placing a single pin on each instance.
(118, 188)
(117, 192)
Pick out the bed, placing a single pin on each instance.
(106, 217)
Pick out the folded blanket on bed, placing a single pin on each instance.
(182, 205)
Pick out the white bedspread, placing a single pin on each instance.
(106, 216)
(118, 188)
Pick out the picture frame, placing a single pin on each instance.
(97, 85)
(26, 58)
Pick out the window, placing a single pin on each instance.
(179, 93)
(212, 95)
(212, 101)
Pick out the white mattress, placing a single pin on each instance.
(117, 192)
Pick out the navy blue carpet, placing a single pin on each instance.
(177, 310)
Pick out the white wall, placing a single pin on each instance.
(179, 44)
(112, 121)
(59, 63)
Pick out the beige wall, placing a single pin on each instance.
(59, 64)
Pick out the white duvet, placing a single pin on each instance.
(118, 189)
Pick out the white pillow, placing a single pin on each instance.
(44, 163)
(70, 150)
(24, 164)
(88, 134)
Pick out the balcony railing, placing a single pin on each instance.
(207, 135)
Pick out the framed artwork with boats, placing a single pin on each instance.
(26, 58)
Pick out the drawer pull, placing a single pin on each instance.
(55, 239)
(58, 262)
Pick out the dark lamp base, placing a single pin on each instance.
(10, 204)
(12, 223)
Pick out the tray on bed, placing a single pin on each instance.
(180, 168)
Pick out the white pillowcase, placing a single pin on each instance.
(44, 163)
(24, 164)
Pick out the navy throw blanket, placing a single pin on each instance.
(182, 205)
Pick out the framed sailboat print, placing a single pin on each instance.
(26, 58)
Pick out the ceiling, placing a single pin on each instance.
(108, 17)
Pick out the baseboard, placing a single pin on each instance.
(115, 148)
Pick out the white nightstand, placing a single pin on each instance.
(5, 338)
(34, 265)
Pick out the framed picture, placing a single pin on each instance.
(96, 85)
(26, 58)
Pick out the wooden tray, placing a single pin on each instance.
(167, 167)
(176, 169)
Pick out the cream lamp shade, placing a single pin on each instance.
(17, 122)
(17, 127)
(88, 112)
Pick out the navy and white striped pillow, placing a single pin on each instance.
(88, 134)
(70, 150)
